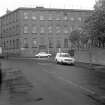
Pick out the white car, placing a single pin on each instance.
(42, 54)
(64, 58)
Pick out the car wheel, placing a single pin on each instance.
(56, 61)
(72, 64)
(61, 62)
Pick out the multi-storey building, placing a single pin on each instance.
(0, 32)
(26, 31)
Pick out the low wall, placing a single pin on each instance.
(95, 55)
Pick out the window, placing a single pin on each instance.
(65, 43)
(13, 44)
(65, 18)
(42, 30)
(25, 43)
(50, 17)
(79, 18)
(34, 42)
(15, 16)
(7, 44)
(79, 28)
(25, 29)
(49, 29)
(17, 43)
(58, 18)
(25, 15)
(10, 44)
(50, 42)
(17, 29)
(34, 29)
(57, 29)
(4, 44)
(42, 43)
(41, 17)
(71, 29)
(58, 44)
(72, 19)
(33, 17)
(66, 30)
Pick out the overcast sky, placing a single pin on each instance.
(68, 4)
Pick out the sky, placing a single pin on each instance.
(67, 4)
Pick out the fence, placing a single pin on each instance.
(97, 56)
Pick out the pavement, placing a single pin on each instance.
(96, 67)
(11, 78)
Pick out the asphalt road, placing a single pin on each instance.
(59, 84)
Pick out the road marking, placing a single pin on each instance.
(70, 82)
(76, 85)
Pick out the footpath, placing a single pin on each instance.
(96, 67)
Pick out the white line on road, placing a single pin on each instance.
(70, 82)
(76, 85)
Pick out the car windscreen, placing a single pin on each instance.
(64, 55)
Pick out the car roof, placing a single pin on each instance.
(42, 52)
(62, 53)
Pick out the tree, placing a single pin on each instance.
(78, 37)
(94, 25)
(75, 37)
(100, 4)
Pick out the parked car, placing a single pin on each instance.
(64, 58)
(42, 55)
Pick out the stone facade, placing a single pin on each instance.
(27, 31)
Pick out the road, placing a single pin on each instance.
(59, 84)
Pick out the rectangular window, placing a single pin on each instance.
(50, 29)
(42, 30)
(66, 30)
(33, 17)
(17, 43)
(58, 44)
(58, 29)
(72, 19)
(79, 18)
(65, 43)
(42, 43)
(65, 18)
(25, 29)
(12, 44)
(25, 43)
(25, 15)
(58, 18)
(41, 17)
(34, 42)
(34, 29)
(50, 17)
(50, 42)
(71, 29)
